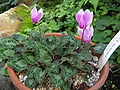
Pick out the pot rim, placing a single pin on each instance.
(21, 86)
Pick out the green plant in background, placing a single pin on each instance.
(62, 16)
(107, 24)
(23, 14)
(49, 3)
(7, 4)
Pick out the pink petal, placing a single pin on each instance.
(79, 15)
(40, 11)
(80, 31)
(91, 29)
(40, 14)
(35, 20)
(82, 23)
(33, 12)
(88, 17)
(79, 18)
(88, 33)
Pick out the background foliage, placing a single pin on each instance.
(7, 4)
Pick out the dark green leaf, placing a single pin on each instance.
(39, 75)
(99, 48)
(31, 83)
(66, 86)
(85, 55)
(9, 53)
(56, 80)
(67, 72)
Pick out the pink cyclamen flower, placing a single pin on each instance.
(88, 33)
(84, 19)
(36, 15)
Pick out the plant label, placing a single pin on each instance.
(111, 47)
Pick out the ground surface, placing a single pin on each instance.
(5, 83)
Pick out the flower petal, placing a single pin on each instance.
(79, 15)
(91, 29)
(80, 31)
(40, 14)
(79, 18)
(88, 17)
(33, 12)
(35, 20)
(82, 23)
(88, 33)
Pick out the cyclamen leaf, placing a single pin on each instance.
(31, 83)
(12, 62)
(39, 76)
(71, 60)
(29, 59)
(4, 71)
(67, 72)
(53, 68)
(88, 68)
(9, 53)
(85, 55)
(56, 80)
(32, 71)
(66, 86)
(78, 64)
(21, 63)
(99, 48)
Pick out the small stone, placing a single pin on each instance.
(95, 58)
(95, 64)
(21, 77)
(98, 74)
(88, 76)
(25, 78)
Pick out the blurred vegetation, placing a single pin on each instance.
(23, 14)
(7, 4)
(59, 16)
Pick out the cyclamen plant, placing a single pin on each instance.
(53, 61)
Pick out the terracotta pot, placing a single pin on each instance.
(20, 86)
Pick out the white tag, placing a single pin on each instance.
(111, 47)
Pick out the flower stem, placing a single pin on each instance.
(82, 37)
(40, 31)
(39, 28)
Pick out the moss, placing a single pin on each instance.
(23, 14)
